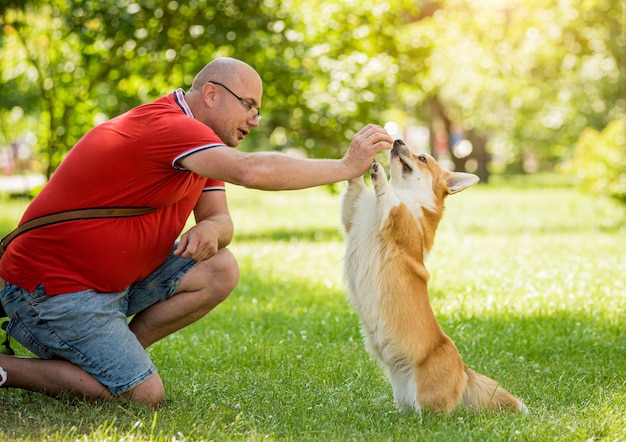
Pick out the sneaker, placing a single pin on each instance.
(3, 377)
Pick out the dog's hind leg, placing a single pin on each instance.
(404, 388)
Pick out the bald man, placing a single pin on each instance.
(70, 287)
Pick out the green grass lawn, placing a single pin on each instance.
(530, 283)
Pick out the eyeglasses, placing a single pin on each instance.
(248, 106)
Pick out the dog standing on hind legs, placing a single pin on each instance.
(390, 232)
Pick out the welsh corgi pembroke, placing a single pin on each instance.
(390, 232)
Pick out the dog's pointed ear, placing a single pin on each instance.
(458, 181)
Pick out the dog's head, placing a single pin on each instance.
(420, 173)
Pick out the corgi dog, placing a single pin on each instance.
(390, 232)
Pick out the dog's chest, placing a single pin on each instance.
(382, 228)
(364, 259)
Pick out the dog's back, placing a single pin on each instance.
(390, 230)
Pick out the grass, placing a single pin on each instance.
(530, 282)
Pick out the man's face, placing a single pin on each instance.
(237, 105)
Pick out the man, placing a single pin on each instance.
(69, 288)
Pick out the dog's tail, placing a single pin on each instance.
(486, 394)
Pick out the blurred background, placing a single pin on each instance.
(499, 88)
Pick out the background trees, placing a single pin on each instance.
(519, 80)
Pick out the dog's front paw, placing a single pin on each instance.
(356, 183)
(379, 178)
(377, 172)
(374, 171)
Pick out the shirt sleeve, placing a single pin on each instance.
(214, 185)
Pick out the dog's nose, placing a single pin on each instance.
(398, 143)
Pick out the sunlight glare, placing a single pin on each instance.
(392, 128)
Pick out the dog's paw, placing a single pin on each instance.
(376, 170)
(379, 178)
(356, 183)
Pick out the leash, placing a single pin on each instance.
(55, 218)
(73, 215)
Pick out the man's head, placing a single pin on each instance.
(226, 96)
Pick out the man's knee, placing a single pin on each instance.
(227, 269)
(150, 392)
(216, 277)
(223, 274)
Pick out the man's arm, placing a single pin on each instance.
(276, 171)
(213, 229)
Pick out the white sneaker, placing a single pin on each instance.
(3, 377)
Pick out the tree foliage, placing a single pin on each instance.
(528, 77)
(600, 160)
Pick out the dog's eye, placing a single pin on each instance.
(422, 158)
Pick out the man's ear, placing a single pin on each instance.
(458, 181)
(208, 94)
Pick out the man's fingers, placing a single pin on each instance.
(182, 245)
(376, 135)
(380, 136)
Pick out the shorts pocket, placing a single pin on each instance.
(17, 330)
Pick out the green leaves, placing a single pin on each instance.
(528, 78)
(600, 160)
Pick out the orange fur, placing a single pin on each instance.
(390, 232)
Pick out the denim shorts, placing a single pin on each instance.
(90, 329)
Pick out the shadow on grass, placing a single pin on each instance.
(311, 235)
(289, 361)
(555, 363)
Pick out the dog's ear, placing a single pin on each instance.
(458, 181)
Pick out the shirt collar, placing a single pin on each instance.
(179, 96)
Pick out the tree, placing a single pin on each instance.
(77, 63)
(525, 79)
(531, 76)
(600, 160)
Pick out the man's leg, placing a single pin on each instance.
(206, 285)
(51, 377)
(86, 348)
(58, 378)
(200, 290)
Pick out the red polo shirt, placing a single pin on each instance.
(128, 161)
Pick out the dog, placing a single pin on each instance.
(390, 232)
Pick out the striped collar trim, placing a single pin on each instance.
(179, 96)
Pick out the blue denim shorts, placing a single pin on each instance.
(90, 329)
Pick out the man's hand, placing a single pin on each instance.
(199, 243)
(364, 147)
